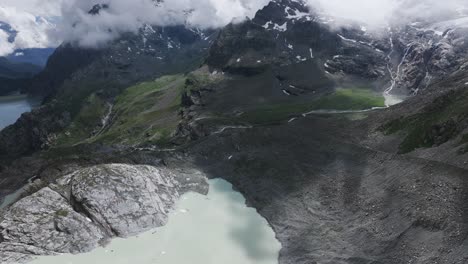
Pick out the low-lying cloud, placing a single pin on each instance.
(77, 26)
(128, 16)
(384, 13)
(31, 31)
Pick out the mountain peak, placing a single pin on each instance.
(9, 30)
(96, 9)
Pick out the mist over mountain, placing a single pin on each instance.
(23, 30)
(382, 14)
(34, 21)
(90, 29)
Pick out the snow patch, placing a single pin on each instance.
(277, 27)
(347, 39)
(296, 14)
(301, 58)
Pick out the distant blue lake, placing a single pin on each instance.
(12, 107)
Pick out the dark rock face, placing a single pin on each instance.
(97, 9)
(62, 64)
(425, 53)
(12, 33)
(286, 33)
(32, 132)
(277, 35)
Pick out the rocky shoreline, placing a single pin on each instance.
(88, 207)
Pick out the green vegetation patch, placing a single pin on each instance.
(350, 99)
(341, 100)
(86, 122)
(62, 213)
(438, 123)
(144, 113)
(197, 80)
(464, 141)
(147, 112)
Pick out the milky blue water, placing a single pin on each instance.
(214, 229)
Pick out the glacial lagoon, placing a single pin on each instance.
(213, 229)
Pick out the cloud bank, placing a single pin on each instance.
(32, 18)
(128, 16)
(45, 8)
(383, 13)
(31, 31)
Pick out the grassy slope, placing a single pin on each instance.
(343, 99)
(147, 113)
(438, 123)
(86, 122)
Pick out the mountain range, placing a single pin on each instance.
(17, 64)
(352, 144)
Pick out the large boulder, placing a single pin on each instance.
(88, 207)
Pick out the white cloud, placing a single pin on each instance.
(125, 15)
(76, 25)
(32, 31)
(5, 47)
(27, 17)
(382, 13)
(129, 16)
(37, 7)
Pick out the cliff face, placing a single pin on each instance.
(33, 131)
(286, 33)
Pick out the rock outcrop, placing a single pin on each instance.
(85, 209)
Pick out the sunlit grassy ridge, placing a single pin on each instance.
(86, 122)
(144, 113)
(147, 112)
(435, 125)
(350, 99)
(342, 99)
